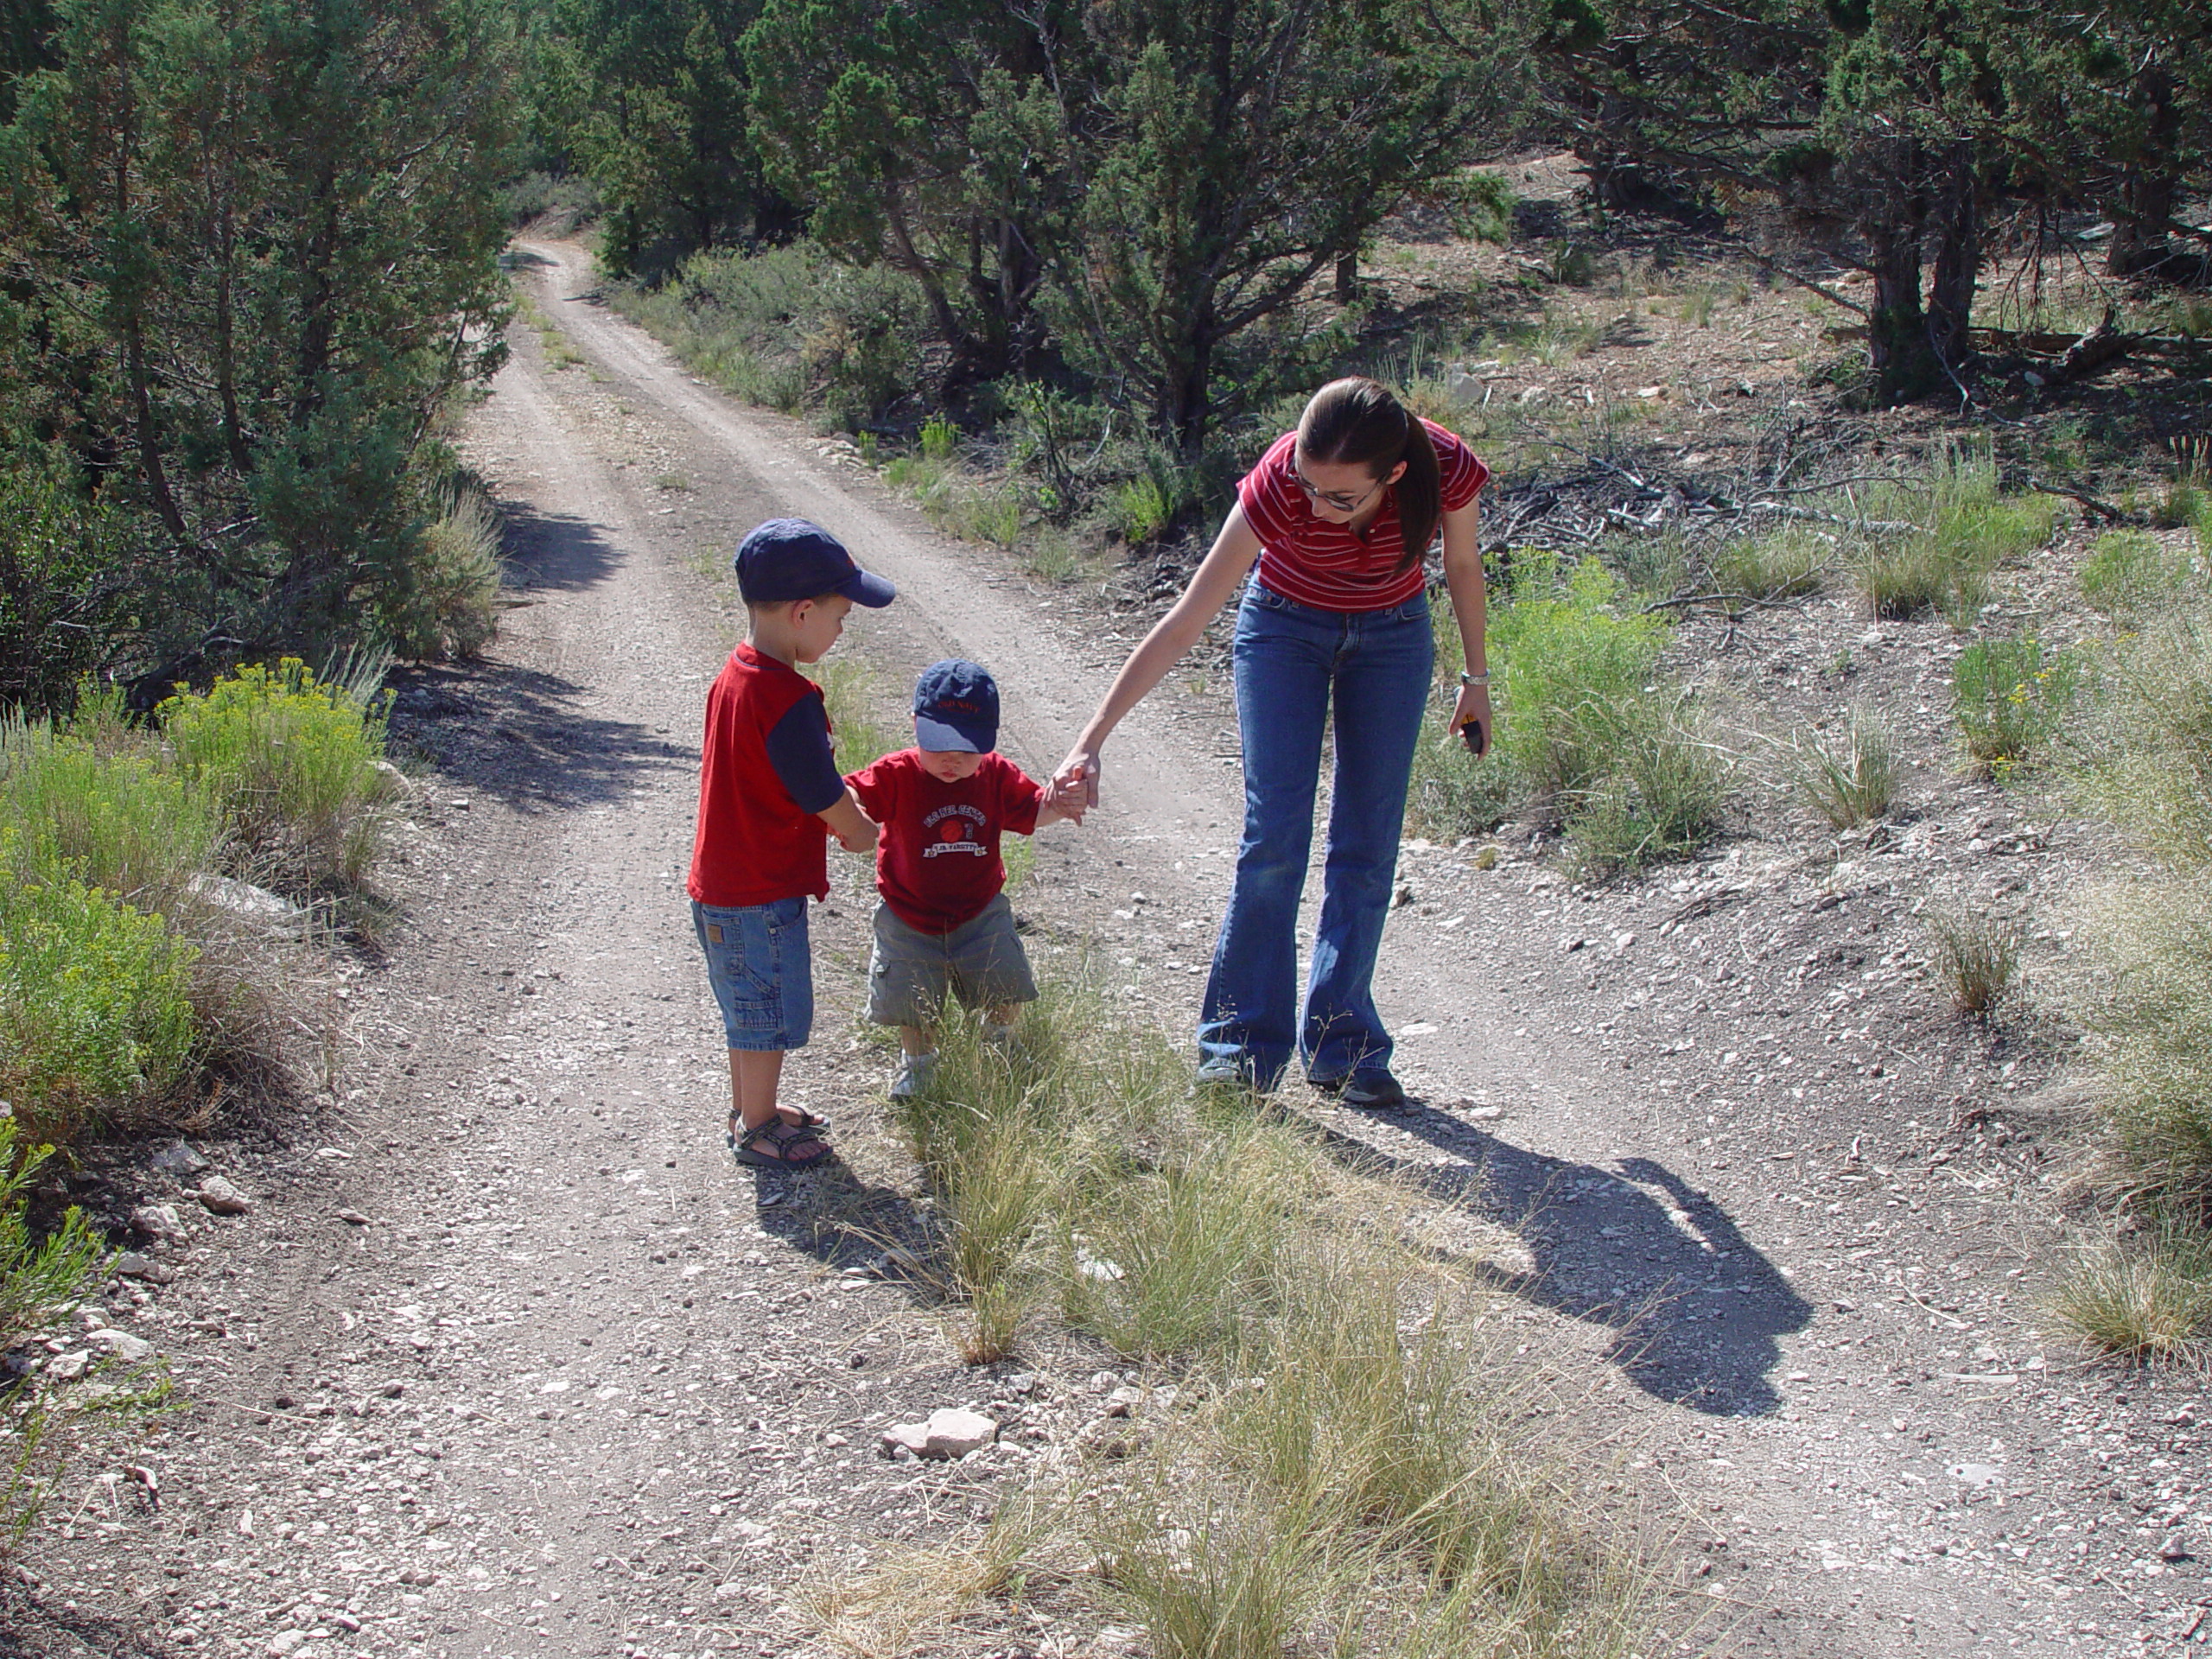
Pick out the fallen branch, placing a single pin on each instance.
(2114, 514)
(2098, 349)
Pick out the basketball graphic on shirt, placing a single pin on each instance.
(952, 829)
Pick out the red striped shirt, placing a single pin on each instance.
(1310, 561)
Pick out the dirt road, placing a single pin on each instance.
(576, 1387)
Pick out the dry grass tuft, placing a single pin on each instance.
(1977, 956)
(1849, 776)
(1346, 1460)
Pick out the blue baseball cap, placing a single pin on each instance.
(789, 558)
(957, 707)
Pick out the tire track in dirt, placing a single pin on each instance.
(1600, 1168)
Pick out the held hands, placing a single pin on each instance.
(860, 839)
(1470, 718)
(1069, 799)
(1078, 773)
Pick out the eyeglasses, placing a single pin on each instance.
(1336, 498)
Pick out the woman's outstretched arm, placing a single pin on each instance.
(1217, 578)
(1463, 578)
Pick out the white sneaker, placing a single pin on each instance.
(912, 1077)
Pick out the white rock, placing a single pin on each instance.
(220, 1197)
(950, 1432)
(249, 903)
(132, 1351)
(68, 1368)
(284, 1641)
(159, 1221)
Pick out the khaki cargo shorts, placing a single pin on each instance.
(981, 964)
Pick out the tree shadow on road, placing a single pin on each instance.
(520, 736)
(552, 551)
(1697, 1313)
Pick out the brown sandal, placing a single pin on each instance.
(781, 1134)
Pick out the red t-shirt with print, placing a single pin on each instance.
(1311, 560)
(937, 862)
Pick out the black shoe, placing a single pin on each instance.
(1366, 1091)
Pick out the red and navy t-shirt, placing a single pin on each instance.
(765, 772)
(1310, 561)
(938, 863)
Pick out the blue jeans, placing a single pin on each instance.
(1292, 662)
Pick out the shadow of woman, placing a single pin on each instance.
(1697, 1313)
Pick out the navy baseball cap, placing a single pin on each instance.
(789, 558)
(957, 707)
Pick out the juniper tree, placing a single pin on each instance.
(931, 137)
(650, 98)
(1229, 151)
(254, 242)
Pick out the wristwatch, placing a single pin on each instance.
(1468, 679)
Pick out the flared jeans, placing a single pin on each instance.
(1297, 671)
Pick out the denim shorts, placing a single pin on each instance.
(980, 964)
(761, 970)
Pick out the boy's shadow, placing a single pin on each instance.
(1696, 1311)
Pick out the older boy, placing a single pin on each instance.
(944, 926)
(769, 793)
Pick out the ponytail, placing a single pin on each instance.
(1360, 422)
(1421, 495)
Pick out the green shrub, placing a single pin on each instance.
(793, 328)
(940, 438)
(1140, 511)
(95, 1012)
(69, 592)
(109, 815)
(1580, 722)
(1478, 206)
(1561, 657)
(1965, 527)
(291, 760)
(2009, 698)
(2130, 575)
(988, 515)
(2150, 766)
(1659, 792)
(448, 604)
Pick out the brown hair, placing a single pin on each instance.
(1356, 422)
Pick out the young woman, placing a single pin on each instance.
(1338, 516)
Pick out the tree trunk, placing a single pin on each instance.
(1896, 330)
(2150, 185)
(226, 388)
(1189, 409)
(1958, 257)
(1347, 276)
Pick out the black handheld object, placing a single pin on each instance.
(1477, 738)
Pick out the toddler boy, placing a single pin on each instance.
(769, 794)
(944, 925)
